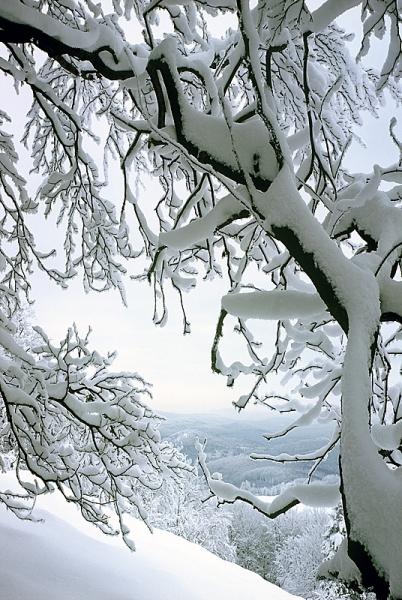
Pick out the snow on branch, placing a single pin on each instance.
(236, 151)
(226, 210)
(274, 304)
(387, 437)
(76, 426)
(248, 135)
(310, 494)
(329, 11)
(391, 300)
(94, 42)
(315, 455)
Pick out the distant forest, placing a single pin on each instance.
(230, 441)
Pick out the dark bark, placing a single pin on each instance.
(17, 33)
(318, 277)
(161, 66)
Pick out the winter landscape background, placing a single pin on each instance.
(202, 199)
(196, 557)
(231, 438)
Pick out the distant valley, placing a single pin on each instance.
(232, 438)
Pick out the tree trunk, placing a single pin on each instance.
(371, 492)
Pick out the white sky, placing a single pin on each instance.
(177, 365)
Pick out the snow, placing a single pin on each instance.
(201, 228)
(340, 564)
(93, 39)
(212, 134)
(329, 11)
(240, 147)
(7, 341)
(387, 436)
(55, 559)
(354, 287)
(312, 494)
(378, 493)
(275, 304)
(241, 152)
(391, 297)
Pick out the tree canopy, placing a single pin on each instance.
(248, 133)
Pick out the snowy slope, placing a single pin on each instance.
(55, 559)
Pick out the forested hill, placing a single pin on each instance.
(231, 438)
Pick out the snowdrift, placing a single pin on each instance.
(66, 559)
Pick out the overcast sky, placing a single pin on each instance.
(177, 365)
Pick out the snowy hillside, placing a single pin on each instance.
(55, 559)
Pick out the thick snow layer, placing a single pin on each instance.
(95, 37)
(54, 559)
(275, 304)
(249, 141)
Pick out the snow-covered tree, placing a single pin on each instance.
(286, 551)
(248, 133)
(256, 540)
(68, 422)
(299, 556)
(71, 424)
(187, 510)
